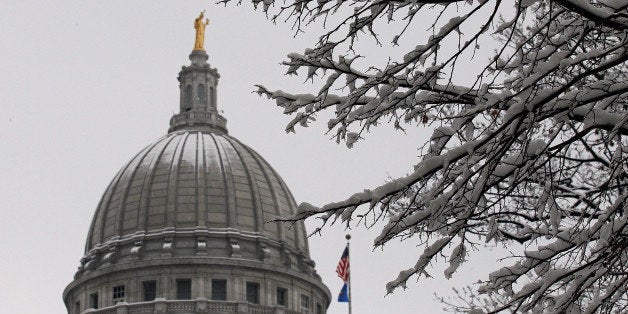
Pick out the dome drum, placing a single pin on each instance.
(202, 275)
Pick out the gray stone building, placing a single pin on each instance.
(183, 227)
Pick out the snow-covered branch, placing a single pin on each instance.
(610, 16)
(533, 150)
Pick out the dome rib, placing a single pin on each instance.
(142, 213)
(98, 214)
(300, 235)
(151, 192)
(254, 190)
(142, 184)
(244, 189)
(102, 211)
(273, 193)
(215, 154)
(186, 199)
(201, 210)
(171, 198)
(123, 206)
(229, 185)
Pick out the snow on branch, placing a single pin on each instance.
(533, 150)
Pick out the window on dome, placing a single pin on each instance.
(150, 290)
(319, 308)
(282, 296)
(202, 97)
(184, 289)
(211, 95)
(118, 294)
(188, 97)
(93, 300)
(305, 304)
(219, 289)
(77, 307)
(252, 292)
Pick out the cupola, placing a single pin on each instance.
(198, 109)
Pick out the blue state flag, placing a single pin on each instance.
(344, 294)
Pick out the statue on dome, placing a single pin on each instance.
(199, 25)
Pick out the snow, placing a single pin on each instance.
(456, 259)
(517, 153)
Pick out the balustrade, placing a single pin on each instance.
(189, 306)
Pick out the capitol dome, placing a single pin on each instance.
(186, 226)
(198, 182)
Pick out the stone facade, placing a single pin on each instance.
(183, 227)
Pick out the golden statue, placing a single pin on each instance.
(200, 31)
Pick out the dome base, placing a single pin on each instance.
(213, 285)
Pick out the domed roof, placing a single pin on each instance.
(190, 211)
(193, 180)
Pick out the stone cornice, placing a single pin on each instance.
(172, 232)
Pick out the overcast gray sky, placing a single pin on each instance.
(84, 85)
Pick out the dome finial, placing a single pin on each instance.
(199, 25)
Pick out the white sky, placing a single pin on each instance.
(84, 85)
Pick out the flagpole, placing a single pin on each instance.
(348, 237)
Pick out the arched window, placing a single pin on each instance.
(202, 97)
(211, 95)
(188, 97)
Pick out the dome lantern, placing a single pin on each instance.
(197, 91)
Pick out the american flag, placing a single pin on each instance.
(343, 266)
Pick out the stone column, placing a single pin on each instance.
(160, 306)
(201, 305)
(243, 307)
(122, 308)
